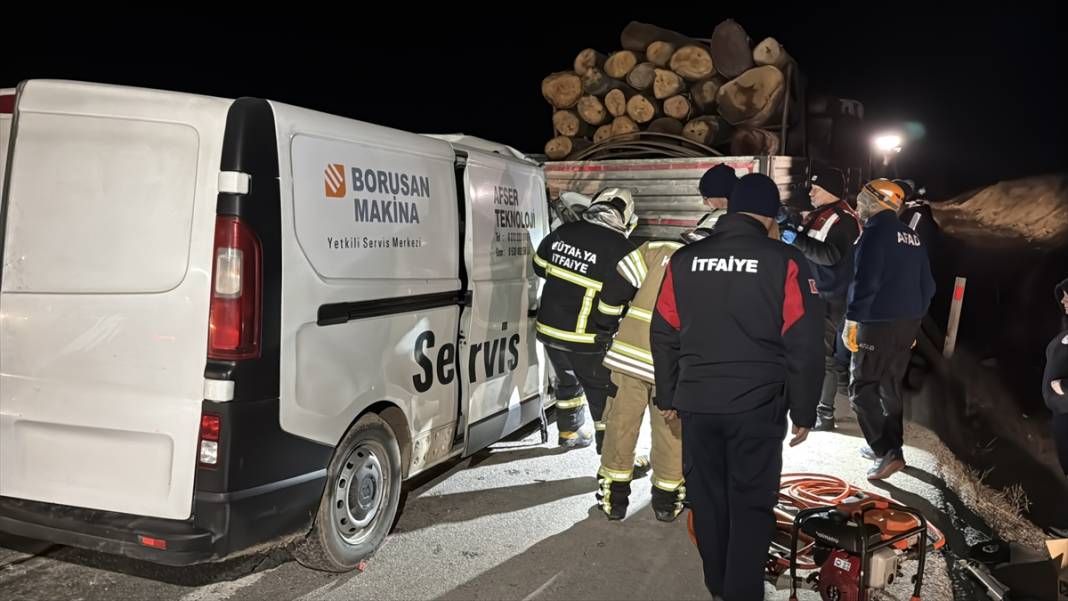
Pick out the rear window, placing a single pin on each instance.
(99, 205)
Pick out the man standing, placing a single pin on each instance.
(1055, 379)
(577, 260)
(736, 339)
(890, 294)
(631, 361)
(826, 237)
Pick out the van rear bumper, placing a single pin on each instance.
(223, 523)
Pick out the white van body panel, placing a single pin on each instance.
(104, 295)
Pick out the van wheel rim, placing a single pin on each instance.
(359, 492)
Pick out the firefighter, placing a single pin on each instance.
(736, 337)
(578, 260)
(826, 236)
(631, 362)
(890, 293)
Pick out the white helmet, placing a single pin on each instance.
(622, 200)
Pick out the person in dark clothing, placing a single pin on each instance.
(736, 338)
(579, 261)
(1055, 379)
(917, 214)
(826, 236)
(890, 293)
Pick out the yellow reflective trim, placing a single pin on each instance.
(565, 336)
(540, 262)
(668, 485)
(632, 351)
(571, 403)
(574, 278)
(569, 435)
(600, 426)
(584, 312)
(671, 245)
(609, 309)
(615, 475)
(640, 314)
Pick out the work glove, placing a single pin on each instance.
(849, 336)
(788, 235)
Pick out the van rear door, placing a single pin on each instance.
(110, 209)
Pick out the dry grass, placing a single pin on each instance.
(1003, 510)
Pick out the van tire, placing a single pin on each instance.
(363, 483)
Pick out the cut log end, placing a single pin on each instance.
(591, 110)
(659, 53)
(588, 59)
(693, 63)
(562, 90)
(621, 63)
(678, 107)
(667, 84)
(642, 109)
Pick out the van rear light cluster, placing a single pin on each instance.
(208, 445)
(234, 322)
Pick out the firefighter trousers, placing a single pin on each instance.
(581, 379)
(623, 420)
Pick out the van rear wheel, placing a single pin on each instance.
(360, 500)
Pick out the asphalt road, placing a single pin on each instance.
(514, 522)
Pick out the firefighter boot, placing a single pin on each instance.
(613, 496)
(575, 432)
(668, 504)
(642, 466)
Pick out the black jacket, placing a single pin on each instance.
(1057, 365)
(578, 260)
(826, 238)
(737, 324)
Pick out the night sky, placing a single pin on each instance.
(987, 85)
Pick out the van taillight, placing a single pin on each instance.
(208, 444)
(234, 322)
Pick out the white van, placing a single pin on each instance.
(226, 322)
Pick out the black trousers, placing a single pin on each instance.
(578, 374)
(877, 372)
(732, 465)
(1060, 436)
(833, 321)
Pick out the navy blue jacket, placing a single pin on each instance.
(892, 279)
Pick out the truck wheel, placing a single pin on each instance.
(360, 501)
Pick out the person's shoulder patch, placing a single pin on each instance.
(1064, 340)
(815, 290)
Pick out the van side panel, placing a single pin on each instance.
(370, 278)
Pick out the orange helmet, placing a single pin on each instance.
(883, 192)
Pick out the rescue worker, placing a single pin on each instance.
(890, 293)
(918, 215)
(736, 338)
(1055, 379)
(715, 185)
(577, 261)
(826, 237)
(631, 362)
